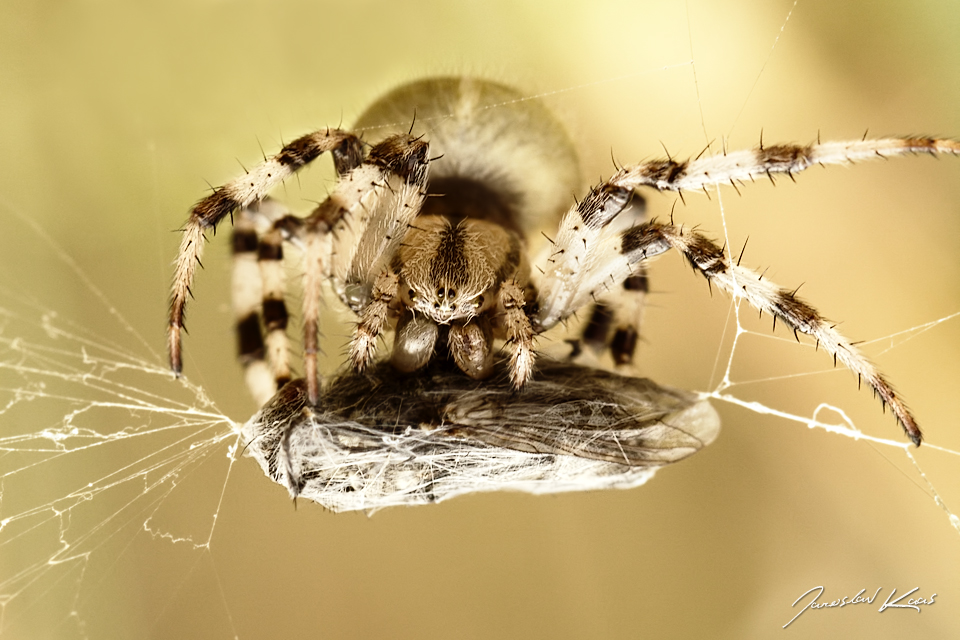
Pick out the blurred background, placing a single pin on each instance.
(115, 115)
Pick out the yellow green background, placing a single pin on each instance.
(112, 115)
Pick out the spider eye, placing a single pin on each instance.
(412, 294)
(453, 307)
(436, 305)
(451, 293)
(440, 292)
(478, 302)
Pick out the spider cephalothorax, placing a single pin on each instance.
(453, 268)
(452, 273)
(436, 249)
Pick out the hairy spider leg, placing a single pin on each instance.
(244, 191)
(587, 257)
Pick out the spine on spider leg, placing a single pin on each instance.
(614, 259)
(380, 226)
(576, 248)
(191, 249)
(364, 203)
(769, 160)
(369, 213)
(240, 193)
(854, 151)
(744, 283)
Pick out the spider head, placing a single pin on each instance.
(443, 302)
(445, 270)
(444, 306)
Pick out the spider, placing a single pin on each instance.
(427, 231)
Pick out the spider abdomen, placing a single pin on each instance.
(498, 155)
